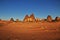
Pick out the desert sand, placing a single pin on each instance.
(30, 31)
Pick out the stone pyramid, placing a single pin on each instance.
(30, 18)
(57, 19)
(26, 18)
(49, 18)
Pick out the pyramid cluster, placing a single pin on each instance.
(32, 18)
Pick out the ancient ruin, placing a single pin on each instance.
(30, 18)
(11, 19)
(49, 18)
(57, 19)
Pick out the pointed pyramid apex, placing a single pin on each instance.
(49, 18)
(11, 19)
(49, 15)
(57, 18)
(32, 16)
(26, 16)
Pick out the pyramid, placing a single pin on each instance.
(49, 18)
(30, 18)
(26, 18)
(11, 19)
(57, 19)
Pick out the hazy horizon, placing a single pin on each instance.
(17, 9)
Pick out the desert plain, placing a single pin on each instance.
(29, 30)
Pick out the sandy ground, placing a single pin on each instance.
(30, 31)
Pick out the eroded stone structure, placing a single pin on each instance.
(11, 19)
(49, 18)
(30, 18)
(57, 19)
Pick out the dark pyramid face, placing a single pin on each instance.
(57, 19)
(26, 16)
(29, 18)
(49, 18)
(11, 19)
(32, 16)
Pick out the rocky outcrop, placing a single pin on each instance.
(30, 18)
(57, 19)
(26, 18)
(49, 18)
(12, 20)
